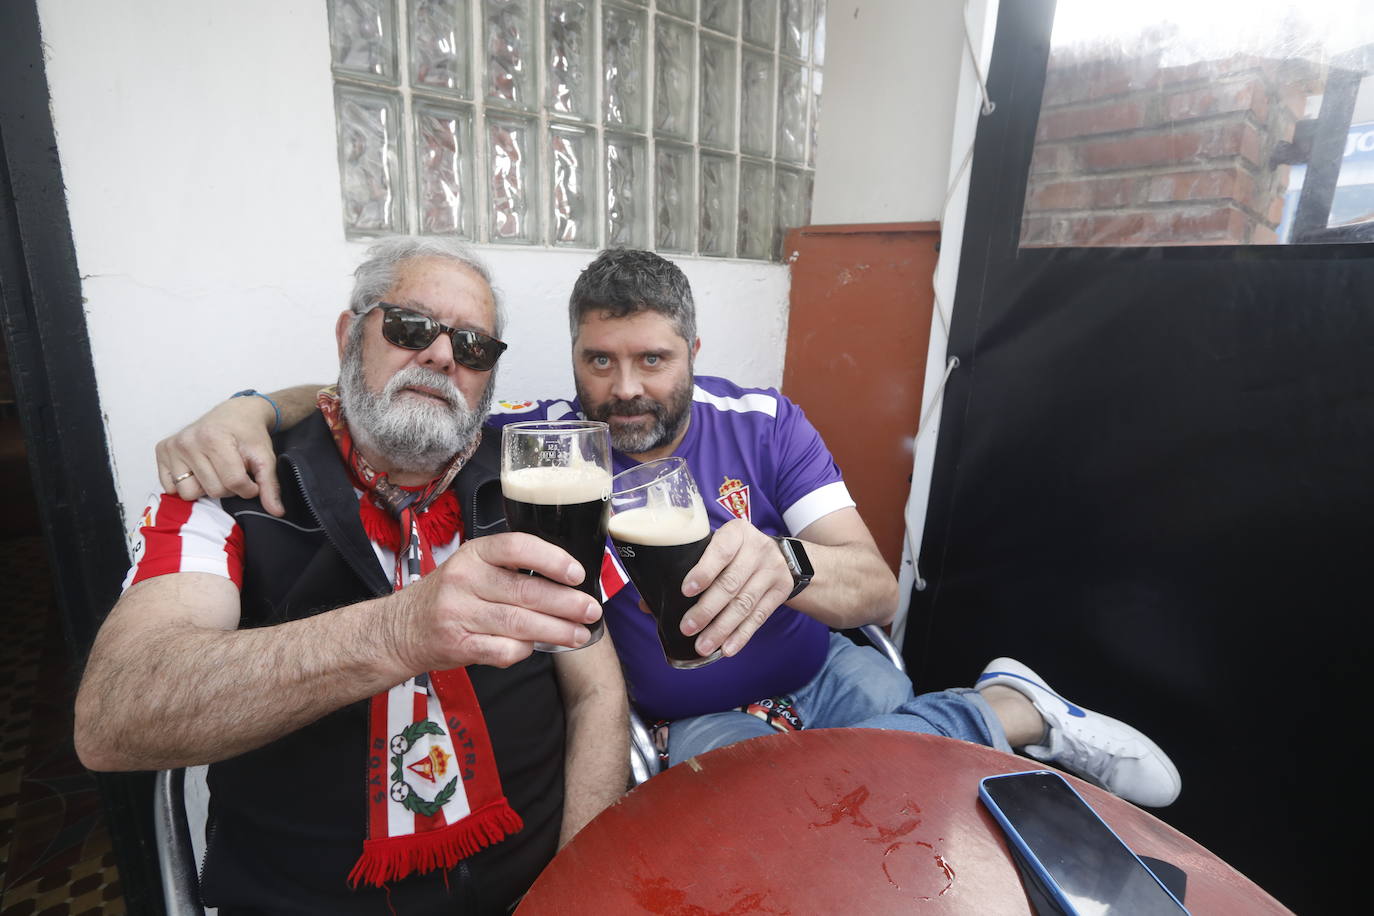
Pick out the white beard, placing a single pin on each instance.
(411, 434)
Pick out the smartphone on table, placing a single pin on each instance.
(1077, 864)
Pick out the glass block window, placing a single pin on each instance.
(688, 126)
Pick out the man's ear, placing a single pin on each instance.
(341, 330)
(696, 347)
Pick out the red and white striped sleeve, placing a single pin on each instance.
(175, 535)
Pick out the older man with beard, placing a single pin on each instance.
(790, 558)
(356, 666)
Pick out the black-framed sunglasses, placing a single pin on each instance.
(414, 331)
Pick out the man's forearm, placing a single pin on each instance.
(181, 694)
(596, 769)
(852, 586)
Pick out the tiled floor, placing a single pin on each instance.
(55, 855)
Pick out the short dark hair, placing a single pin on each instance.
(625, 281)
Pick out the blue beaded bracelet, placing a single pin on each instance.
(252, 392)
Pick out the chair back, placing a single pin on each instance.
(176, 858)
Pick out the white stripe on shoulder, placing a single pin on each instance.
(754, 402)
(817, 504)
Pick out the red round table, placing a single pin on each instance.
(836, 821)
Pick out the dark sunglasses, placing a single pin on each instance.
(414, 331)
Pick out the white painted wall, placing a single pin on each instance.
(197, 146)
(891, 67)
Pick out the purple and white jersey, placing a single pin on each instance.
(754, 456)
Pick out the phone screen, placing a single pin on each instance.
(1093, 869)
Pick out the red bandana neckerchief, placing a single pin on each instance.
(429, 805)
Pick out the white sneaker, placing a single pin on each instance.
(1090, 745)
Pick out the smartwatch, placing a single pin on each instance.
(798, 563)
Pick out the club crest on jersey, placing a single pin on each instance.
(516, 406)
(734, 497)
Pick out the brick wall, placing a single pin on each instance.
(1131, 153)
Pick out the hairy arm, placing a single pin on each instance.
(170, 682)
(742, 579)
(229, 450)
(853, 585)
(596, 767)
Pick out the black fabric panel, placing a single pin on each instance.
(1153, 485)
(1157, 491)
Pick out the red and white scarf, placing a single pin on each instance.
(434, 795)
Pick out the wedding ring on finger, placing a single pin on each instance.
(180, 477)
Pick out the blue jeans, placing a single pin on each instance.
(857, 687)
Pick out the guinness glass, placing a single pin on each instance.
(556, 480)
(660, 530)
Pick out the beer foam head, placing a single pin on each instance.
(660, 525)
(557, 486)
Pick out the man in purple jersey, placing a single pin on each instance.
(790, 561)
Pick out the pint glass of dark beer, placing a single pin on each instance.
(659, 529)
(556, 481)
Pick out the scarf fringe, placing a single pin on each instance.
(391, 858)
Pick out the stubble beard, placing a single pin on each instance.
(666, 419)
(412, 435)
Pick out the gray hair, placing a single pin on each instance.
(377, 273)
(624, 281)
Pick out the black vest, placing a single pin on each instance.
(287, 821)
